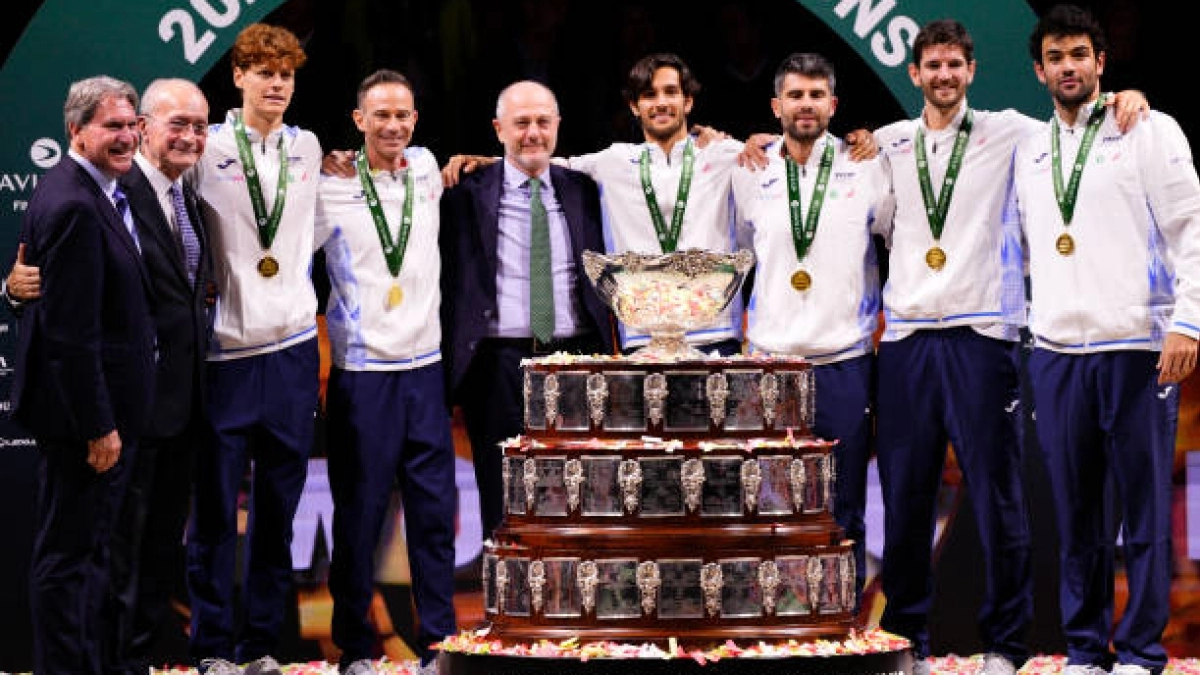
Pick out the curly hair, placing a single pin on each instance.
(261, 43)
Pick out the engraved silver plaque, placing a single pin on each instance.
(751, 482)
(687, 402)
(502, 582)
(597, 395)
(829, 473)
(517, 599)
(745, 410)
(721, 494)
(680, 595)
(829, 597)
(603, 494)
(550, 489)
(488, 578)
(814, 483)
(740, 594)
(711, 582)
(574, 408)
(648, 581)
(793, 597)
(775, 492)
(797, 392)
(716, 389)
(617, 594)
(848, 581)
(562, 597)
(535, 399)
(513, 473)
(693, 483)
(662, 489)
(627, 402)
(630, 477)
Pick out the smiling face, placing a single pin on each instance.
(1070, 68)
(663, 107)
(804, 106)
(175, 128)
(386, 117)
(109, 139)
(943, 75)
(527, 125)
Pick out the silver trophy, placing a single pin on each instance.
(666, 295)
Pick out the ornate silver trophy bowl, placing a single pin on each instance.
(668, 294)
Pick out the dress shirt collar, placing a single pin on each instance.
(516, 179)
(107, 185)
(158, 180)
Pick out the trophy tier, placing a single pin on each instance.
(632, 397)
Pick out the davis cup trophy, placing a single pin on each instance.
(662, 506)
(666, 295)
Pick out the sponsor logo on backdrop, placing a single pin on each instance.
(45, 153)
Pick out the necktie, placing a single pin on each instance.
(122, 204)
(541, 287)
(187, 235)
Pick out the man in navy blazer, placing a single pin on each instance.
(485, 245)
(84, 369)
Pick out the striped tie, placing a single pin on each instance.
(187, 235)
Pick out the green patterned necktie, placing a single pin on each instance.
(541, 287)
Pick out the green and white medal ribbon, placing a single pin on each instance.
(268, 266)
(393, 250)
(804, 230)
(668, 239)
(1065, 244)
(937, 208)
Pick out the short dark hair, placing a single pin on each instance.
(1063, 20)
(641, 76)
(943, 32)
(808, 65)
(382, 76)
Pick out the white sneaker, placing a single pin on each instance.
(1130, 669)
(996, 664)
(1080, 669)
(263, 666)
(922, 667)
(218, 667)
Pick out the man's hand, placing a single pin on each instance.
(754, 154)
(705, 135)
(24, 281)
(460, 164)
(862, 145)
(1129, 106)
(104, 452)
(1178, 358)
(340, 163)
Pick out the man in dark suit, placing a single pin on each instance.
(512, 278)
(147, 551)
(84, 369)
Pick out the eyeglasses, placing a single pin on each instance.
(181, 126)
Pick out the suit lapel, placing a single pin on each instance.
(487, 205)
(112, 219)
(149, 218)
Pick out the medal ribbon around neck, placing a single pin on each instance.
(936, 209)
(668, 239)
(1067, 198)
(393, 251)
(267, 226)
(804, 230)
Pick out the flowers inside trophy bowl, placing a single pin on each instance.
(668, 294)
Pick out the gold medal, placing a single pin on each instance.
(1065, 245)
(268, 266)
(801, 280)
(395, 296)
(935, 258)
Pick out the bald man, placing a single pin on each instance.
(494, 260)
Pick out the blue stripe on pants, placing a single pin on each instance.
(1103, 422)
(260, 408)
(390, 429)
(953, 386)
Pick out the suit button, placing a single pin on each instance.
(487, 313)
